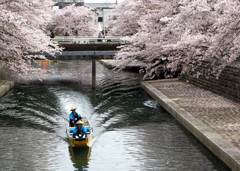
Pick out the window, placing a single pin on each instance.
(100, 19)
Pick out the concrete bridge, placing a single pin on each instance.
(79, 54)
(83, 55)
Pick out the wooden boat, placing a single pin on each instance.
(84, 141)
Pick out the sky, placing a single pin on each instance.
(102, 1)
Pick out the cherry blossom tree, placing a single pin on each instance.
(184, 33)
(126, 18)
(148, 35)
(22, 30)
(76, 20)
(225, 47)
(183, 41)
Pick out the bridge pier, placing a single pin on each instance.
(84, 55)
(93, 72)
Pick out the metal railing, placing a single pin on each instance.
(87, 40)
(69, 1)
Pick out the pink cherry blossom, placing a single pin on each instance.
(76, 20)
(170, 34)
(23, 26)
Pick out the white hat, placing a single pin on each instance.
(73, 108)
(79, 122)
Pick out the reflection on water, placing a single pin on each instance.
(131, 131)
(80, 156)
(44, 64)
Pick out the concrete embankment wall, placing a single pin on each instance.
(227, 85)
(5, 86)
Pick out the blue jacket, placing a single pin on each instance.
(84, 130)
(71, 116)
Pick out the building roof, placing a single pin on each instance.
(63, 4)
(99, 5)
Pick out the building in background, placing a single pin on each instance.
(62, 3)
(103, 14)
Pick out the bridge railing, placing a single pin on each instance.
(87, 40)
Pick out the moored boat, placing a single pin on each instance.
(80, 141)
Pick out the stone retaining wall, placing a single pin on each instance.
(228, 84)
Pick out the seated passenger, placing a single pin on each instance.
(80, 131)
(74, 117)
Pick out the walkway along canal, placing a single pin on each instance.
(131, 130)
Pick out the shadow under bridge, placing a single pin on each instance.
(85, 55)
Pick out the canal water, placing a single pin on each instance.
(131, 130)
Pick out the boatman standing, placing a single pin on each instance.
(80, 131)
(73, 117)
